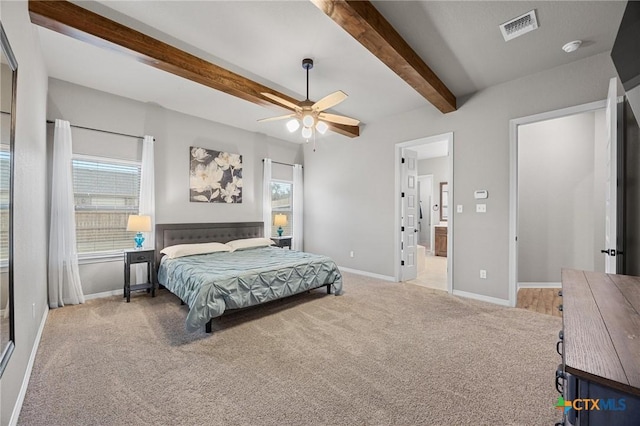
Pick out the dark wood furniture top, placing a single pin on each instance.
(601, 321)
(132, 257)
(282, 241)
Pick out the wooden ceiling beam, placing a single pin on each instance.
(74, 21)
(363, 21)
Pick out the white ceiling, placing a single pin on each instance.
(430, 150)
(266, 41)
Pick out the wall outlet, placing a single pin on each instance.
(459, 208)
(483, 274)
(481, 208)
(351, 253)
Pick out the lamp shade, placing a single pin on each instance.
(280, 220)
(308, 120)
(139, 223)
(322, 127)
(306, 132)
(293, 125)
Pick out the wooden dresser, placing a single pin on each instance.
(441, 241)
(599, 377)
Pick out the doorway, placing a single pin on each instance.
(557, 195)
(425, 221)
(432, 160)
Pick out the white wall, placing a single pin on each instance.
(30, 205)
(557, 201)
(355, 179)
(599, 176)
(439, 168)
(174, 133)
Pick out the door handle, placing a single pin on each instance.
(610, 252)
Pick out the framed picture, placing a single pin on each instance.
(214, 176)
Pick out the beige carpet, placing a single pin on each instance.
(381, 354)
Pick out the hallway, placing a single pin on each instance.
(434, 274)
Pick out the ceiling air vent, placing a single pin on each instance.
(518, 26)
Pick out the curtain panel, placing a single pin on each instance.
(147, 200)
(64, 276)
(266, 196)
(298, 187)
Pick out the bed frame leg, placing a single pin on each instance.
(208, 326)
(328, 288)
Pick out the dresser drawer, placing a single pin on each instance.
(140, 256)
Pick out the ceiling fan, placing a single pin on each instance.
(310, 114)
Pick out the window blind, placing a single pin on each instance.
(5, 159)
(281, 203)
(106, 192)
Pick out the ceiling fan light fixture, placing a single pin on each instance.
(306, 132)
(307, 120)
(293, 125)
(322, 127)
(311, 114)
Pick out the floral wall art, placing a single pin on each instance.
(214, 176)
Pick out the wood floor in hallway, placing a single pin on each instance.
(542, 300)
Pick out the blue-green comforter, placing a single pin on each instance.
(212, 283)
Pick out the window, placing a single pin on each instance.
(5, 166)
(282, 203)
(106, 192)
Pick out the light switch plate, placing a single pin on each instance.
(459, 209)
(481, 208)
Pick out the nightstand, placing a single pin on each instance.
(132, 257)
(282, 241)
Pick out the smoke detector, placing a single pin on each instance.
(519, 26)
(572, 46)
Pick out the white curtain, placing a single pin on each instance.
(147, 203)
(298, 186)
(266, 197)
(64, 276)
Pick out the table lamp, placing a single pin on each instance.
(280, 220)
(139, 224)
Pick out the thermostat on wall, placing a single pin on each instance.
(481, 194)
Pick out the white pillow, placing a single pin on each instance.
(247, 243)
(181, 250)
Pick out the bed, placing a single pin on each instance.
(218, 282)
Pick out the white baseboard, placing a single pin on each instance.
(495, 300)
(367, 274)
(27, 375)
(539, 285)
(103, 294)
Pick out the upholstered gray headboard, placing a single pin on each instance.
(191, 233)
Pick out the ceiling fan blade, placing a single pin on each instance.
(281, 101)
(338, 119)
(280, 117)
(329, 101)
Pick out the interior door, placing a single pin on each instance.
(409, 214)
(611, 179)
